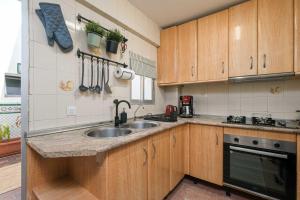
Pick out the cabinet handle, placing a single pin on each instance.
(174, 139)
(192, 71)
(217, 140)
(251, 65)
(223, 67)
(265, 60)
(154, 151)
(146, 157)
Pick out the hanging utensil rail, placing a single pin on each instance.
(80, 19)
(81, 53)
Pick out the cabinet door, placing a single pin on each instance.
(297, 37)
(213, 47)
(159, 166)
(243, 39)
(167, 56)
(128, 172)
(206, 153)
(275, 36)
(177, 155)
(187, 52)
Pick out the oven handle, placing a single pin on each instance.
(276, 155)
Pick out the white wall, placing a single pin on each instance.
(49, 66)
(247, 98)
(10, 44)
(129, 16)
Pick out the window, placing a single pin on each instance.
(12, 85)
(142, 90)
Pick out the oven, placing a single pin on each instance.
(262, 167)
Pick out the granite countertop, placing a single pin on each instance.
(76, 143)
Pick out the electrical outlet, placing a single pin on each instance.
(71, 110)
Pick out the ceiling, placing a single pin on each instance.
(171, 12)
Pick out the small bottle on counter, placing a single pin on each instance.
(123, 117)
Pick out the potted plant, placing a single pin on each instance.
(113, 38)
(94, 34)
(8, 146)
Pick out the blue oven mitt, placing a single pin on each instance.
(50, 37)
(55, 26)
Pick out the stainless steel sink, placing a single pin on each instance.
(108, 132)
(141, 125)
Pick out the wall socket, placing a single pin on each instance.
(71, 110)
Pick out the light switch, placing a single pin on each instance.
(71, 110)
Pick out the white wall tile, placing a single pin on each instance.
(44, 81)
(44, 56)
(44, 107)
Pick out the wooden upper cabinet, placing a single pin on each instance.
(275, 36)
(243, 39)
(213, 47)
(167, 56)
(187, 52)
(206, 153)
(159, 166)
(297, 37)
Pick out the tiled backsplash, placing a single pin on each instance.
(49, 66)
(281, 99)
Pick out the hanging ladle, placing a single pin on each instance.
(106, 80)
(97, 87)
(82, 88)
(91, 88)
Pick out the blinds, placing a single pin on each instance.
(142, 66)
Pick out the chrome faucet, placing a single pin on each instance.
(117, 102)
(134, 115)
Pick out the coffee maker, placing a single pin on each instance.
(186, 106)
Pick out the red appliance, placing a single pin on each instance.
(186, 106)
(170, 109)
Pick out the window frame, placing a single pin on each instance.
(142, 101)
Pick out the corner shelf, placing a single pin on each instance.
(64, 188)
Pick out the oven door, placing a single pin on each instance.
(262, 172)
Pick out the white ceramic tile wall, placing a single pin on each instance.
(247, 98)
(49, 66)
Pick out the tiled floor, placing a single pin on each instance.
(9, 160)
(11, 195)
(187, 190)
(10, 187)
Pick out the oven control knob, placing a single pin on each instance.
(255, 142)
(237, 140)
(277, 145)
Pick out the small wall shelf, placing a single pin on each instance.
(64, 188)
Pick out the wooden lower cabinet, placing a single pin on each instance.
(206, 153)
(176, 155)
(298, 167)
(127, 172)
(159, 166)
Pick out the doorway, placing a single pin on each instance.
(10, 99)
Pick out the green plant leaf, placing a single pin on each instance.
(114, 35)
(94, 27)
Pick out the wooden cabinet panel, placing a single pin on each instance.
(213, 47)
(275, 36)
(206, 153)
(298, 167)
(243, 39)
(176, 155)
(297, 37)
(127, 172)
(159, 166)
(187, 52)
(167, 56)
